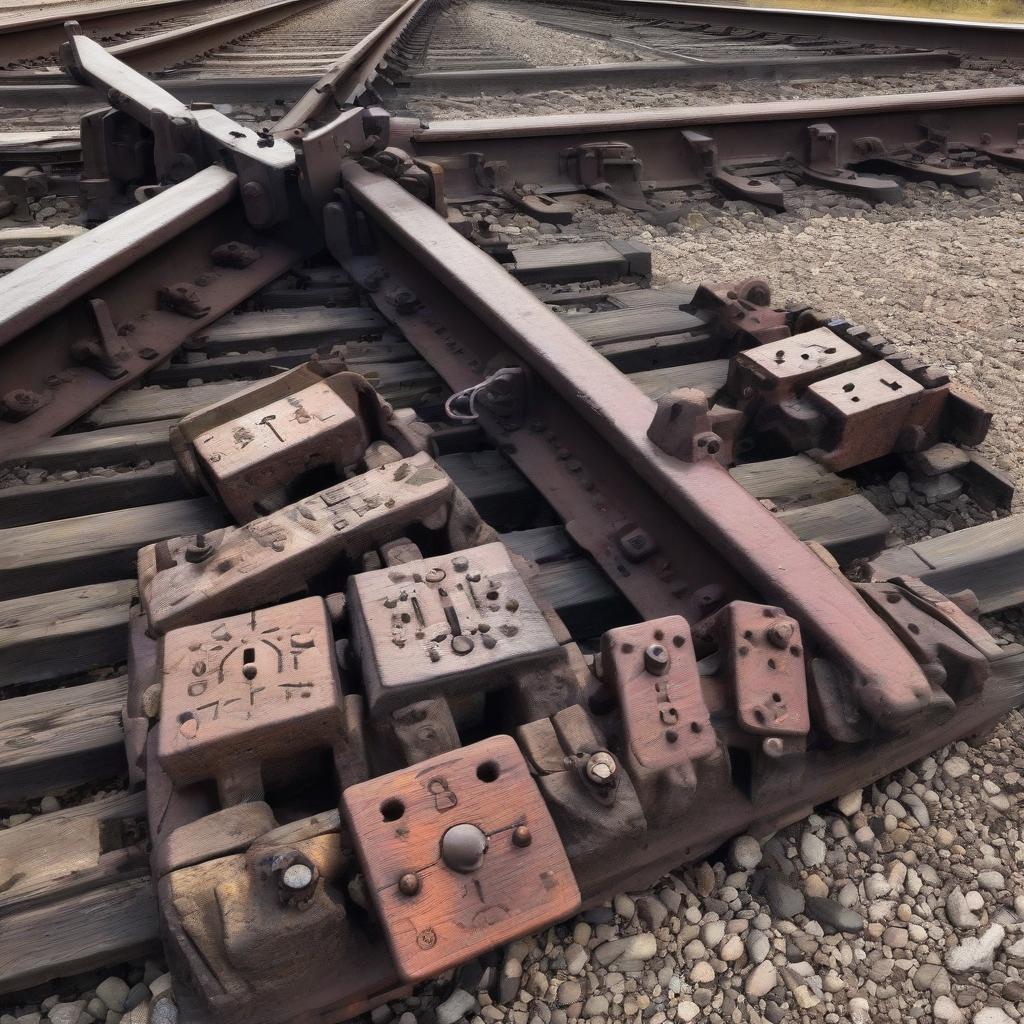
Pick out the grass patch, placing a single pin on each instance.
(961, 10)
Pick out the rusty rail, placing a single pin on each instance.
(44, 35)
(351, 74)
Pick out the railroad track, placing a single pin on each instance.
(587, 462)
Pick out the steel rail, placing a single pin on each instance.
(38, 35)
(702, 494)
(44, 36)
(27, 295)
(744, 133)
(158, 51)
(992, 39)
(473, 82)
(351, 73)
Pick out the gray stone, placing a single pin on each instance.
(758, 946)
(745, 853)
(651, 911)
(632, 947)
(164, 1010)
(761, 980)
(114, 993)
(569, 992)
(958, 912)
(976, 954)
(946, 1011)
(956, 767)
(66, 1013)
(833, 914)
(812, 850)
(785, 901)
(137, 994)
(992, 1015)
(456, 1006)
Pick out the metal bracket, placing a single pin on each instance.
(610, 169)
(929, 160)
(496, 176)
(823, 168)
(1011, 156)
(187, 139)
(734, 186)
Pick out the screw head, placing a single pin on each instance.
(409, 884)
(521, 836)
(601, 767)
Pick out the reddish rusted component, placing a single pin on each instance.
(764, 660)
(654, 671)
(460, 854)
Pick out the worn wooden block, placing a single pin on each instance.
(785, 368)
(272, 446)
(654, 671)
(452, 623)
(24, 504)
(52, 634)
(96, 548)
(271, 558)
(58, 738)
(109, 447)
(792, 482)
(460, 854)
(247, 688)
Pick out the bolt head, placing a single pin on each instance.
(409, 884)
(780, 634)
(297, 877)
(601, 767)
(521, 836)
(656, 659)
(463, 847)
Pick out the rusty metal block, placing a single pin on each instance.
(868, 410)
(453, 623)
(243, 689)
(190, 580)
(780, 369)
(272, 446)
(653, 669)
(460, 854)
(764, 659)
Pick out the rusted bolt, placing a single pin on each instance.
(656, 660)
(409, 884)
(463, 847)
(426, 939)
(521, 836)
(296, 877)
(199, 550)
(601, 768)
(779, 634)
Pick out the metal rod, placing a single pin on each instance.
(51, 281)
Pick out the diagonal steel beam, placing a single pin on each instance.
(702, 494)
